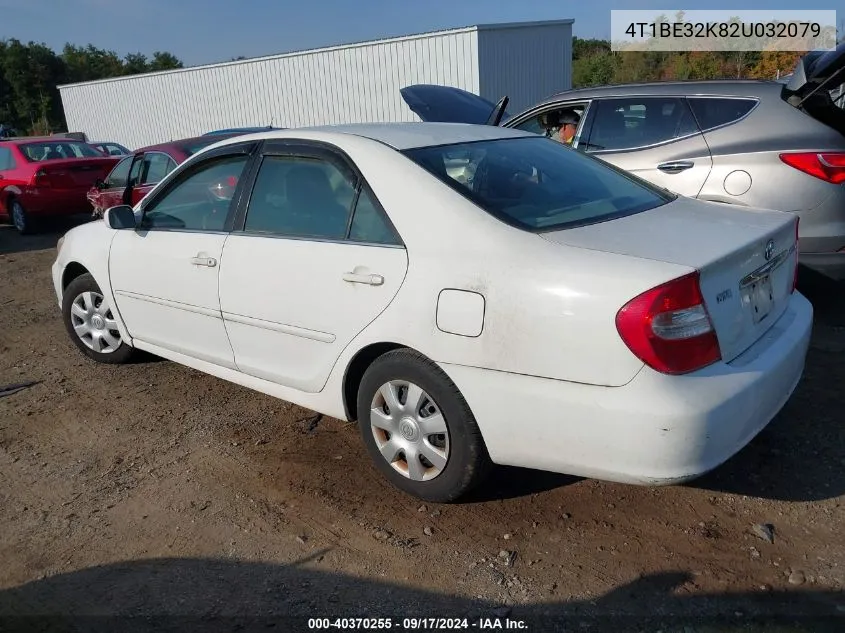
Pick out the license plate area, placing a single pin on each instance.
(759, 297)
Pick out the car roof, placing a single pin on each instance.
(180, 144)
(401, 136)
(41, 139)
(730, 87)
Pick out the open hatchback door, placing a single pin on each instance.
(816, 84)
(446, 104)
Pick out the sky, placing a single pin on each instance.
(208, 31)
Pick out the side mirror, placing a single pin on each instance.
(99, 184)
(120, 217)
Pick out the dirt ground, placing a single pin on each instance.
(153, 494)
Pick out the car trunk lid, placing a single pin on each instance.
(815, 86)
(73, 173)
(746, 259)
(446, 104)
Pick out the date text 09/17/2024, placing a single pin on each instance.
(418, 624)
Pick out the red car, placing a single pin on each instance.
(41, 177)
(135, 175)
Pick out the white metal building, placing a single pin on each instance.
(342, 84)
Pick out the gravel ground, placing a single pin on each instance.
(156, 492)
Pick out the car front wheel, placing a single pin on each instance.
(418, 428)
(91, 324)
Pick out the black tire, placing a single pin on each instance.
(21, 219)
(468, 462)
(82, 284)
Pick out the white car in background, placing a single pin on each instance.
(470, 294)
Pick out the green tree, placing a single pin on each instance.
(164, 61)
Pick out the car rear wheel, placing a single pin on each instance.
(418, 428)
(91, 324)
(21, 219)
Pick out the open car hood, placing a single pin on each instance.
(446, 104)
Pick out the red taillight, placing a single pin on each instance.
(668, 327)
(795, 269)
(829, 166)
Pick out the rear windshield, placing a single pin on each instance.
(537, 184)
(37, 152)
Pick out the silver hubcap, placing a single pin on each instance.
(410, 431)
(17, 216)
(94, 323)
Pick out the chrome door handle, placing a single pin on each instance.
(371, 280)
(675, 167)
(204, 261)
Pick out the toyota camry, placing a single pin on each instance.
(471, 295)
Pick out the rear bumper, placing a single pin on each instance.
(44, 202)
(655, 430)
(831, 265)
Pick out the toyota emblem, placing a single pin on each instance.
(770, 250)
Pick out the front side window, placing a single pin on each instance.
(560, 123)
(200, 200)
(537, 184)
(301, 197)
(632, 123)
(119, 176)
(37, 152)
(712, 112)
(156, 167)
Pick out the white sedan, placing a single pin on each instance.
(472, 295)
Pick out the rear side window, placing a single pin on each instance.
(302, 197)
(6, 159)
(633, 123)
(712, 112)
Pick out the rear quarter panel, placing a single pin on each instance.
(753, 145)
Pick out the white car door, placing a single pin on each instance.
(165, 272)
(313, 259)
(656, 138)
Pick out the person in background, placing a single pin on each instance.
(568, 126)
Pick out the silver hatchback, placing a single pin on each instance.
(763, 144)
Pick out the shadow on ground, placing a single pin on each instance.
(13, 242)
(225, 595)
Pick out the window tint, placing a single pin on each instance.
(639, 122)
(549, 122)
(119, 175)
(300, 196)
(369, 223)
(37, 152)
(135, 173)
(713, 112)
(156, 167)
(200, 200)
(6, 160)
(538, 184)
